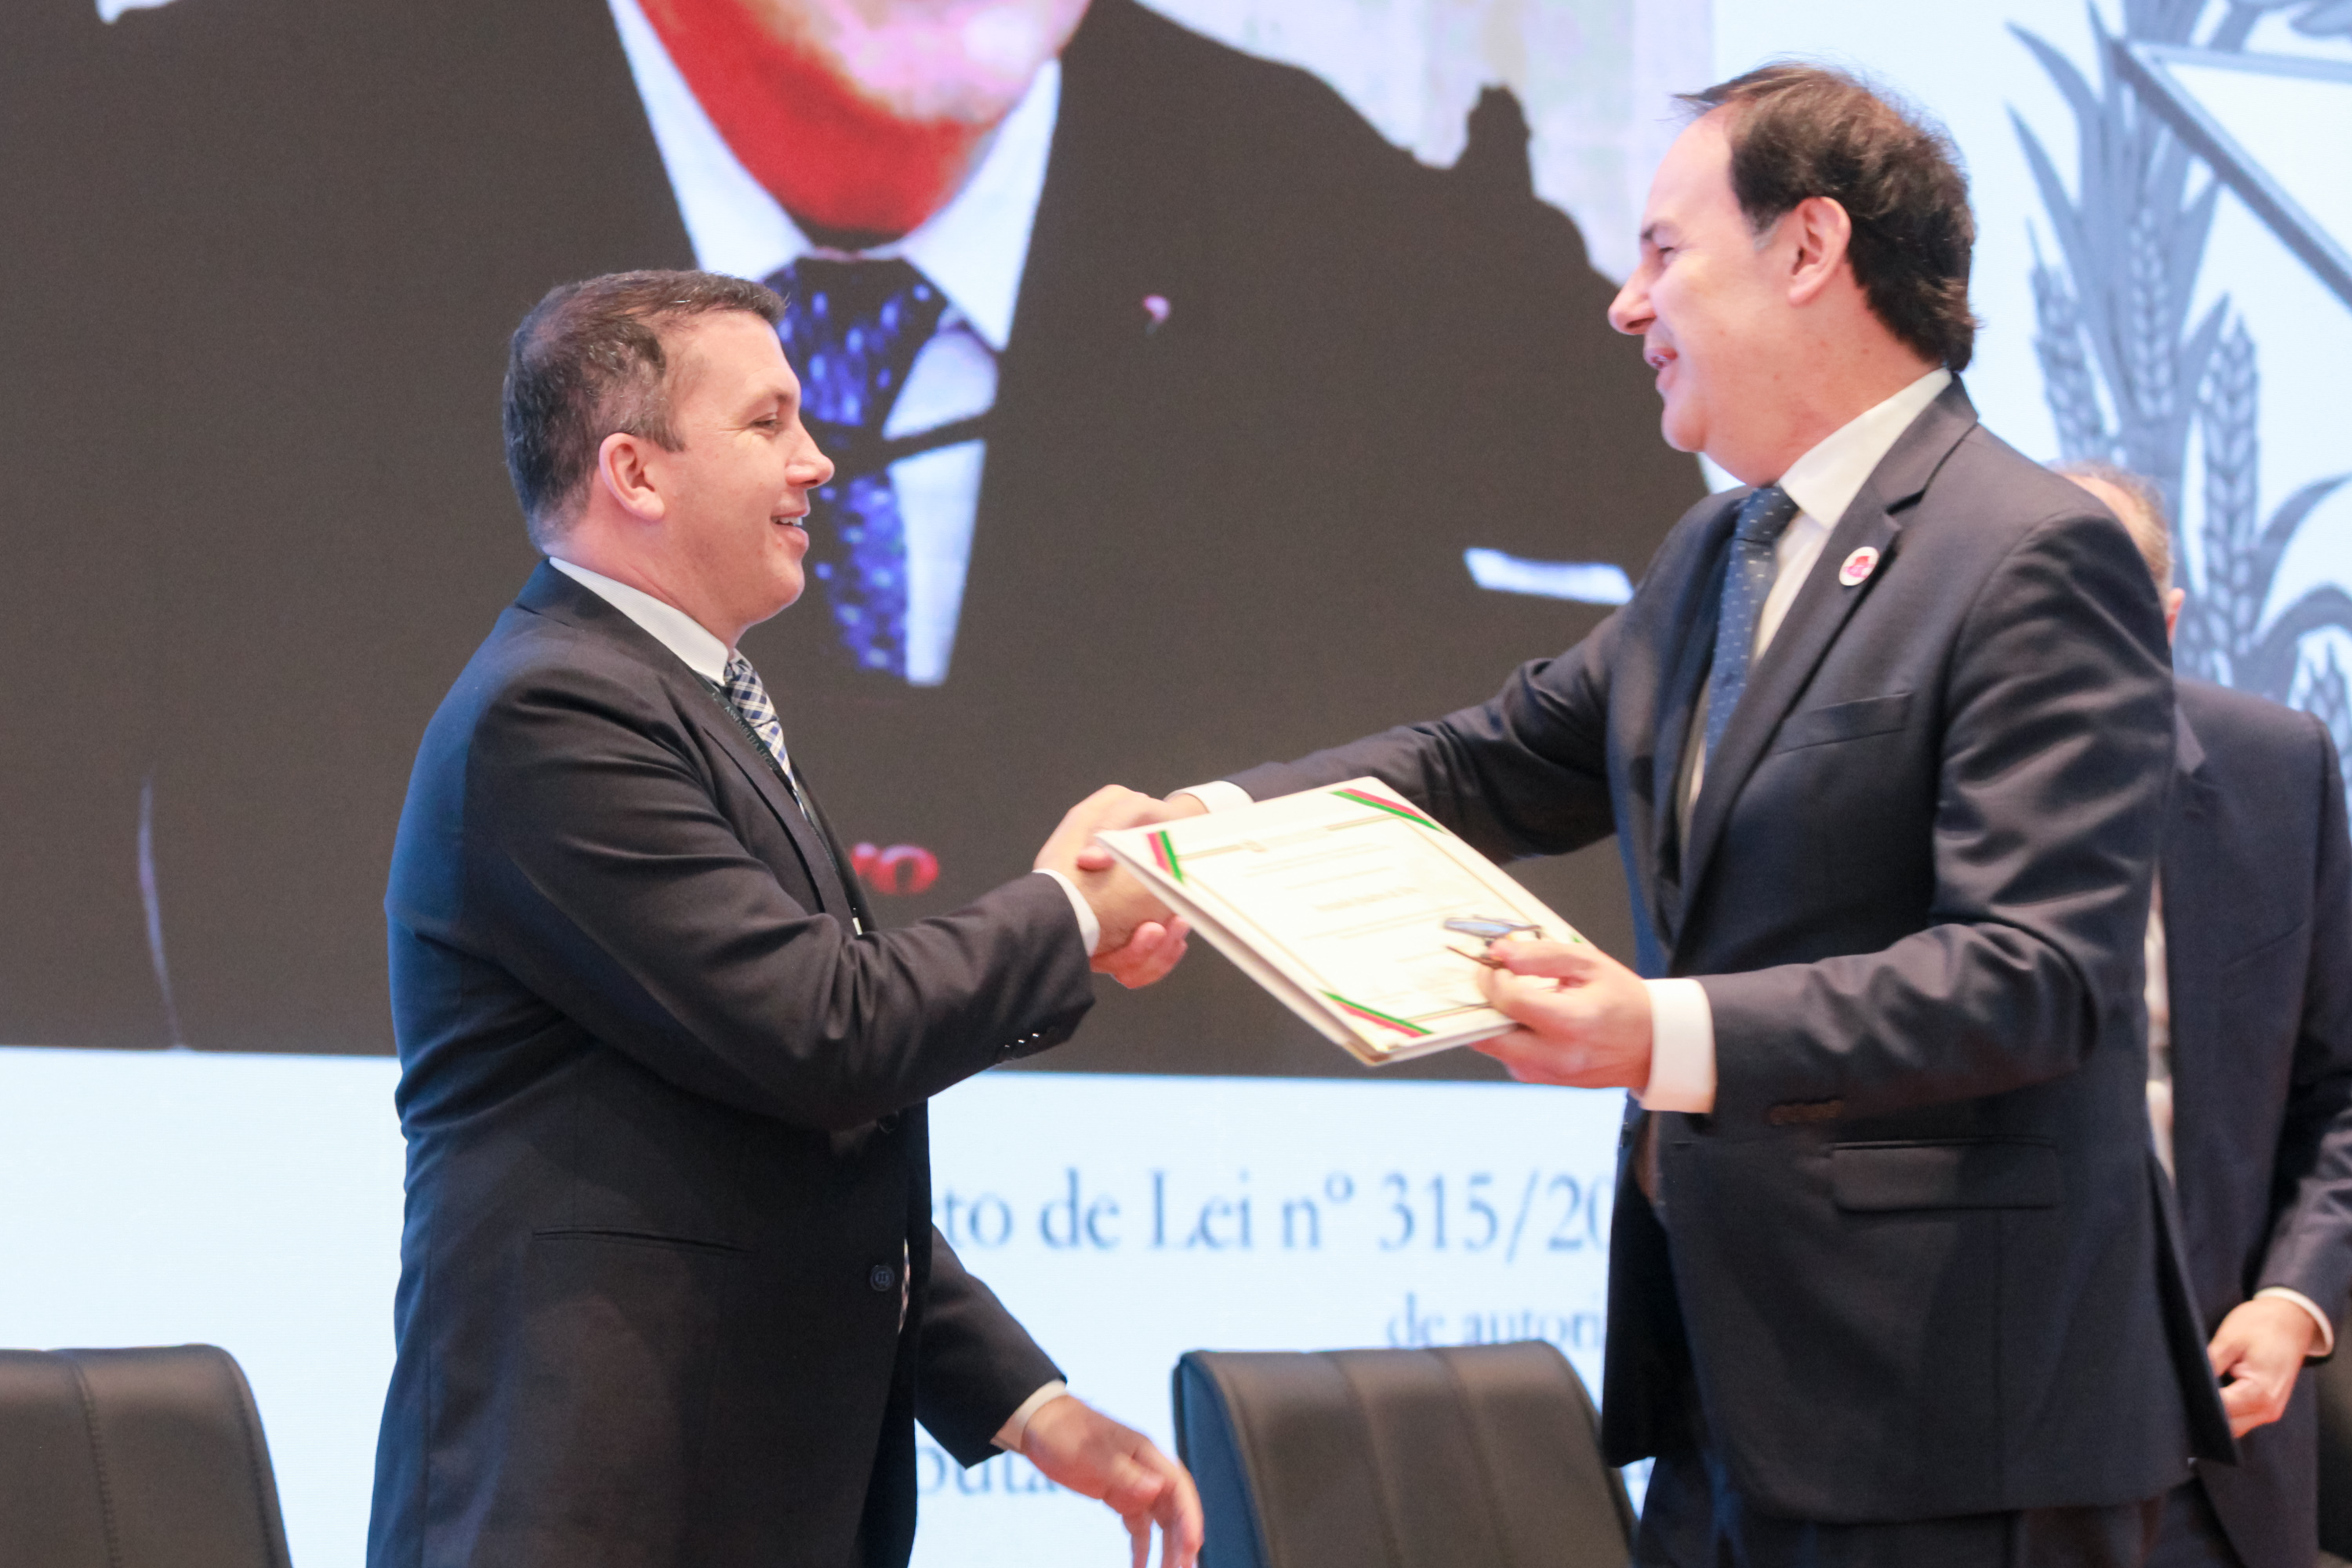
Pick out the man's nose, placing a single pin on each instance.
(812, 463)
(1630, 312)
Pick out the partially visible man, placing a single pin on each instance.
(669, 1291)
(1883, 738)
(2249, 1075)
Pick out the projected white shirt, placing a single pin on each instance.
(972, 250)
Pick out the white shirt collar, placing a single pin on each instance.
(974, 248)
(1824, 481)
(694, 644)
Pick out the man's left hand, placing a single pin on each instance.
(1078, 1446)
(2259, 1347)
(1584, 1019)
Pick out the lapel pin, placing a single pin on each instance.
(1156, 307)
(1858, 567)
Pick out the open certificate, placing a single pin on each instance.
(1366, 918)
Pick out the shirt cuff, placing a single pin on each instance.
(1009, 1436)
(1089, 927)
(1682, 1047)
(2288, 1293)
(1221, 795)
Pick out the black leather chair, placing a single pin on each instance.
(1470, 1457)
(134, 1459)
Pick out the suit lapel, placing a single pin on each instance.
(711, 713)
(1821, 611)
(840, 860)
(551, 593)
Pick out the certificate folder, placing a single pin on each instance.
(1337, 900)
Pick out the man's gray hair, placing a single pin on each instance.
(2146, 519)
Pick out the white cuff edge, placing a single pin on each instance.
(1089, 927)
(1009, 1436)
(2289, 1293)
(1221, 795)
(1682, 1047)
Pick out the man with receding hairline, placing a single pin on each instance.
(2250, 1074)
(1883, 736)
(670, 1296)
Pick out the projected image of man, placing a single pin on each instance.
(669, 1289)
(1092, 310)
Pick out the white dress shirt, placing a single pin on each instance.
(1823, 483)
(973, 250)
(2160, 1091)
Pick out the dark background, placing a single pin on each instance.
(257, 271)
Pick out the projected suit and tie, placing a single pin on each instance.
(1193, 394)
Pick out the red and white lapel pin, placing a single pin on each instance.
(1858, 567)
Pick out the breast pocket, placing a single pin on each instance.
(1970, 1173)
(1844, 721)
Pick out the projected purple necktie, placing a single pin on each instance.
(1746, 582)
(851, 330)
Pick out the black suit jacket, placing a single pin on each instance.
(1913, 1262)
(666, 1134)
(283, 244)
(2257, 879)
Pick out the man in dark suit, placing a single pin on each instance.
(669, 1289)
(1883, 743)
(1363, 367)
(2250, 1076)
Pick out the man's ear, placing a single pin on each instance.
(1822, 229)
(623, 470)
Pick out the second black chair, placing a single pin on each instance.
(1470, 1457)
(134, 1459)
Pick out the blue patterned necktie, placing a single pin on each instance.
(852, 329)
(1746, 582)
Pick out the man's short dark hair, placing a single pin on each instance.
(588, 362)
(1801, 131)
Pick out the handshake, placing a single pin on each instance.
(1585, 1020)
(1141, 940)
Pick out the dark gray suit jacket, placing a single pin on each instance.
(1916, 1262)
(2258, 939)
(666, 1135)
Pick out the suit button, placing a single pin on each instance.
(883, 1278)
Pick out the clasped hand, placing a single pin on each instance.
(1583, 1017)
(1143, 940)
(2261, 1348)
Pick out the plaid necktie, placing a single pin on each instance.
(749, 695)
(853, 328)
(741, 685)
(1746, 582)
